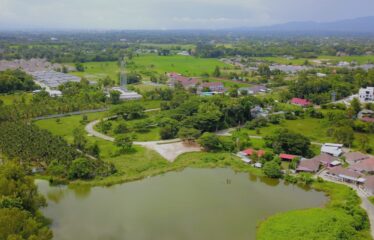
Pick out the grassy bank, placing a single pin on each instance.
(342, 218)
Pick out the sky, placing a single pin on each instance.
(173, 14)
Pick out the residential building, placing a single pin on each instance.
(250, 152)
(301, 102)
(369, 185)
(365, 166)
(308, 165)
(332, 149)
(216, 87)
(186, 82)
(258, 111)
(345, 175)
(325, 159)
(366, 94)
(254, 89)
(354, 157)
(287, 157)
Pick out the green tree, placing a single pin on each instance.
(79, 67)
(217, 72)
(115, 97)
(80, 140)
(82, 168)
(188, 134)
(356, 105)
(121, 128)
(272, 169)
(124, 142)
(284, 140)
(210, 142)
(343, 134)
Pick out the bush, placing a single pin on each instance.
(210, 142)
(272, 169)
(81, 168)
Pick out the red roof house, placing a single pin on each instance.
(250, 152)
(288, 157)
(213, 86)
(301, 102)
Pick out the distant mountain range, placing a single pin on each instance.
(357, 25)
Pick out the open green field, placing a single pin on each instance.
(97, 70)
(333, 59)
(186, 65)
(9, 99)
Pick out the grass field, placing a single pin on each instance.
(311, 223)
(9, 99)
(97, 70)
(186, 65)
(333, 59)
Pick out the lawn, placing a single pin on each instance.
(9, 99)
(98, 70)
(186, 65)
(311, 223)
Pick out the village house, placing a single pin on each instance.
(186, 82)
(369, 185)
(365, 166)
(216, 87)
(354, 157)
(301, 102)
(246, 154)
(253, 90)
(345, 175)
(258, 111)
(308, 165)
(366, 94)
(327, 160)
(333, 149)
(287, 157)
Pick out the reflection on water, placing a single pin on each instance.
(193, 204)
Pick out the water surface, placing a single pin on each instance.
(198, 204)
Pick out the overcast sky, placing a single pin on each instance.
(173, 14)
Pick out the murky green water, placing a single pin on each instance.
(193, 204)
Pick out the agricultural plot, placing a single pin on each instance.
(98, 70)
(186, 65)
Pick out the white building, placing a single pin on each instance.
(332, 149)
(366, 94)
(126, 95)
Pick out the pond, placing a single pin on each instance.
(192, 204)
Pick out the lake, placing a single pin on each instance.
(192, 204)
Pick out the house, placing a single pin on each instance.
(258, 111)
(345, 175)
(287, 157)
(186, 82)
(301, 102)
(325, 159)
(369, 185)
(250, 152)
(212, 86)
(253, 90)
(308, 165)
(366, 94)
(364, 166)
(354, 157)
(332, 149)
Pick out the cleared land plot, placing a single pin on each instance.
(98, 70)
(186, 65)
